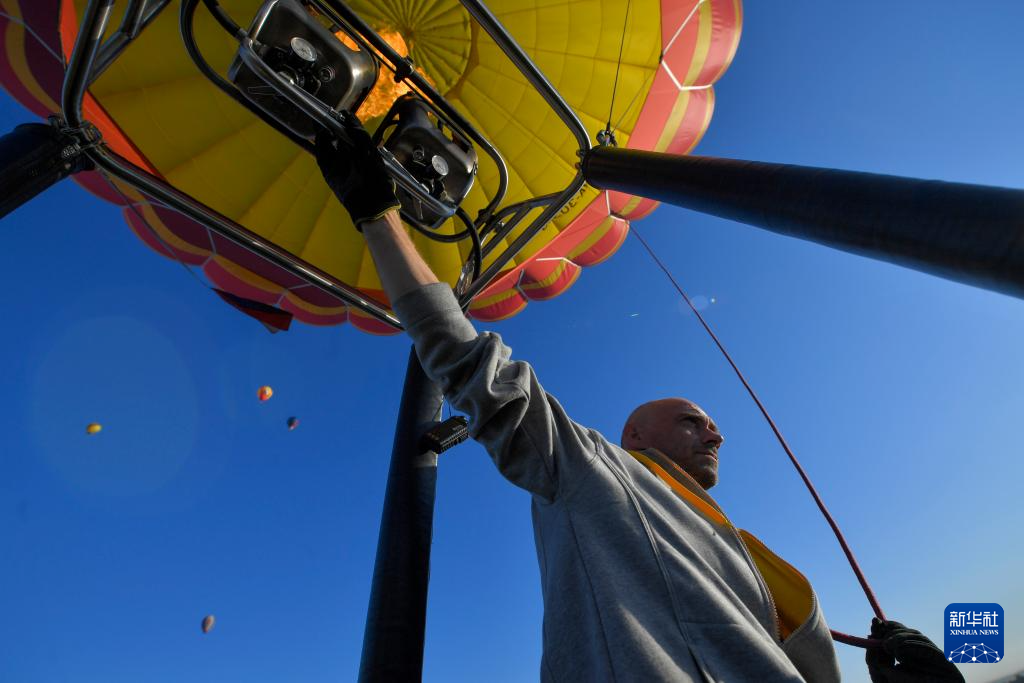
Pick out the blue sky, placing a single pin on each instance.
(900, 392)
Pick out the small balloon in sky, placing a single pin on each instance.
(208, 622)
(293, 422)
(93, 428)
(265, 392)
(713, 300)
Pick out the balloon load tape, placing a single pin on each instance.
(445, 435)
(297, 72)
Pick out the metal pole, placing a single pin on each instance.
(138, 16)
(77, 75)
(397, 615)
(500, 35)
(33, 157)
(968, 233)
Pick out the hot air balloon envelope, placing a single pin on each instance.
(208, 622)
(265, 393)
(293, 422)
(93, 428)
(158, 113)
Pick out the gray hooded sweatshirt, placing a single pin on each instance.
(638, 584)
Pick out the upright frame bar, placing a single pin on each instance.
(396, 617)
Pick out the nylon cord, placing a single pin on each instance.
(133, 206)
(836, 635)
(618, 64)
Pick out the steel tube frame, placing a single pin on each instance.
(343, 14)
(225, 227)
(82, 64)
(483, 16)
(522, 61)
(509, 217)
(83, 56)
(329, 118)
(397, 613)
(138, 16)
(84, 53)
(969, 233)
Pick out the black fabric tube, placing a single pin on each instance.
(969, 233)
(33, 157)
(397, 615)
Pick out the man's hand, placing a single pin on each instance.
(356, 174)
(907, 656)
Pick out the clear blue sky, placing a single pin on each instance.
(903, 395)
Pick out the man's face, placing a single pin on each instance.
(683, 432)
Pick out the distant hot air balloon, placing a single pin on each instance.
(265, 392)
(208, 622)
(293, 422)
(93, 428)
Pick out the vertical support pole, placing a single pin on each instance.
(33, 157)
(397, 615)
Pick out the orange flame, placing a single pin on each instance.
(385, 90)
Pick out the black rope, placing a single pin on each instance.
(618, 64)
(838, 636)
(133, 206)
(224, 19)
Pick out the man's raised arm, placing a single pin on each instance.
(400, 266)
(530, 438)
(359, 179)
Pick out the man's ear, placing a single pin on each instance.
(631, 436)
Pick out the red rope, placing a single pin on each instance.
(836, 635)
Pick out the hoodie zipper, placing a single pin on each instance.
(777, 630)
(760, 579)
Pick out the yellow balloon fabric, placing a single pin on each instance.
(155, 108)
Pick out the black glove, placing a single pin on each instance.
(356, 173)
(919, 660)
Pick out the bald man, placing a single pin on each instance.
(681, 431)
(643, 577)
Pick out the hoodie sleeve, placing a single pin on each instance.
(526, 432)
